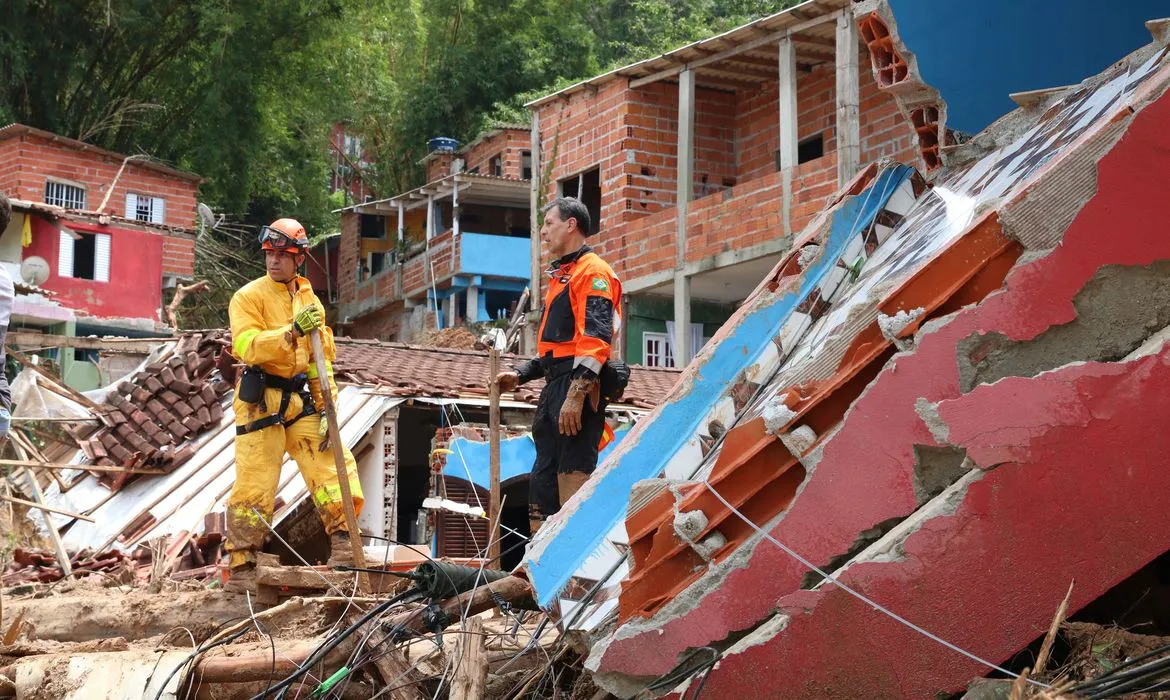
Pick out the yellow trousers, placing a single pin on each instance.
(259, 456)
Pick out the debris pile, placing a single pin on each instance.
(41, 566)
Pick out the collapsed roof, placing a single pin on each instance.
(912, 402)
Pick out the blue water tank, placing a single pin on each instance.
(442, 143)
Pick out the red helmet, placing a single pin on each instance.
(284, 234)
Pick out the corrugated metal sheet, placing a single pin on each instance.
(176, 502)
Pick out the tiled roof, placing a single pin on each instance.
(151, 418)
(411, 370)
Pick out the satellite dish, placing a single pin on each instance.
(35, 270)
(207, 218)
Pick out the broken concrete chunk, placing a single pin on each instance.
(690, 525)
(799, 440)
(893, 326)
(710, 545)
(777, 415)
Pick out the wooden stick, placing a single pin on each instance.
(470, 663)
(58, 545)
(355, 534)
(78, 467)
(70, 393)
(41, 506)
(1046, 647)
(494, 454)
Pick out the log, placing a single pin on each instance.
(471, 664)
(511, 589)
(398, 675)
(77, 617)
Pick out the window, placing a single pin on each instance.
(656, 350)
(496, 165)
(526, 165)
(810, 149)
(84, 255)
(586, 187)
(140, 207)
(60, 194)
(372, 226)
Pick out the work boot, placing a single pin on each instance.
(340, 550)
(241, 580)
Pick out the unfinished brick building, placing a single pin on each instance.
(702, 164)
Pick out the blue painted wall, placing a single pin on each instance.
(517, 455)
(498, 256)
(976, 53)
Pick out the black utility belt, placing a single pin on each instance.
(253, 382)
(554, 367)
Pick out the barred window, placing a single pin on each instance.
(60, 194)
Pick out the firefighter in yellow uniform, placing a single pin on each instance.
(278, 403)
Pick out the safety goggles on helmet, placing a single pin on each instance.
(276, 239)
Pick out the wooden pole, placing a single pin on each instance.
(471, 663)
(78, 467)
(494, 454)
(58, 545)
(355, 534)
(41, 506)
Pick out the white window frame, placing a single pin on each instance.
(101, 254)
(154, 209)
(60, 190)
(661, 355)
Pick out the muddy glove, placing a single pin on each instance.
(308, 319)
(508, 381)
(323, 433)
(570, 418)
(5, 423)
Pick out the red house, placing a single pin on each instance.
(103, 233)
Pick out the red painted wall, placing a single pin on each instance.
(135, 286)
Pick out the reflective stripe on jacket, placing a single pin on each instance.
(582, 311)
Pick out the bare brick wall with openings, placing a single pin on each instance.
(632, 135)
(439, 165)
(38, 159)
(509, 143)
(383, 324)
(350, 245)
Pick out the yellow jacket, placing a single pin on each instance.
(261, 315)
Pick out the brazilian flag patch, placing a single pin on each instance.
(600, 284)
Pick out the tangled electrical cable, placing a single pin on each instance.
(1130, 677)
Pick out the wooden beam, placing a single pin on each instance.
(735, 50)
(79, 467)
(848, 100)
(471, 663)
(788, 126)
(42, 506)
(54, 535)
(127, 346)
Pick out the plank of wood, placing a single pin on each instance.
(398, 675)
(78, 467)
(58, 545)
(471, 663)
(125, 346)
(41, 506)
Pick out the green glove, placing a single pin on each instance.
(323, 428)
(308, 319)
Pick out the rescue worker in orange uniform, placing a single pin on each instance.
(581, 318)
(278, 403)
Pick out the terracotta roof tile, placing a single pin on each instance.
(412, 370)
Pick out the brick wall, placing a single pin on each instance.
(39, 159)
(633, 136)
(509, 143)
(439, 166)
(348, 265)
(384, 324)
(178, 251)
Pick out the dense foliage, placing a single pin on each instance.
(245, 93)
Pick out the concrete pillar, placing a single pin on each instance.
(848, 99)
(451, 306)
(788, 126)
(471, 308)
(430, 216)
(684, 193)
(455, 209)
(401, 222)
(370, 474)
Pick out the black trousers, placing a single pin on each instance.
(557, 453)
